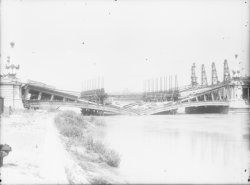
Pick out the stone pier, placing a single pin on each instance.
(10, 91)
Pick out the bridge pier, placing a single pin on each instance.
(26, 94)
(212, 95)
(206, 109)
(39, 96)
(91, 112)
(219, 94)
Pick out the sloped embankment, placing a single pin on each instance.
(98, 163)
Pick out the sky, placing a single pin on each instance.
(66, 42)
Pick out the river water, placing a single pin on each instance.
(202, 148)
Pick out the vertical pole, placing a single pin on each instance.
(156, 88)
(148, 85)
(156, 84)
(171, 77)
(153, 83)
(103, 82)
(160, 83)
(177, 85)
(152, 89)
(102, 85)
(144, 86)
(98, 82)
(166, 83)
(175, 82)
(169, 83)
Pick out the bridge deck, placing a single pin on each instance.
(176, 105)
(58, 104)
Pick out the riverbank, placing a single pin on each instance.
(36, 156)
(41, 155)
(99, 163)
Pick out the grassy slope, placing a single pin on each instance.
(97, 161)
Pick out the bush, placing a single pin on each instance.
(99, 181)
(108, 156)
(112, 158)
(70, 118)
(71, 131)
(71, 125)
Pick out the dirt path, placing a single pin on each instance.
(37, 155)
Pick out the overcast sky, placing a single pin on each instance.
(63, 43)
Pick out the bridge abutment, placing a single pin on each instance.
(10, 91)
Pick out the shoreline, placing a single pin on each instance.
(40, 154)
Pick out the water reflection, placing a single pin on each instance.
(180, 148)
